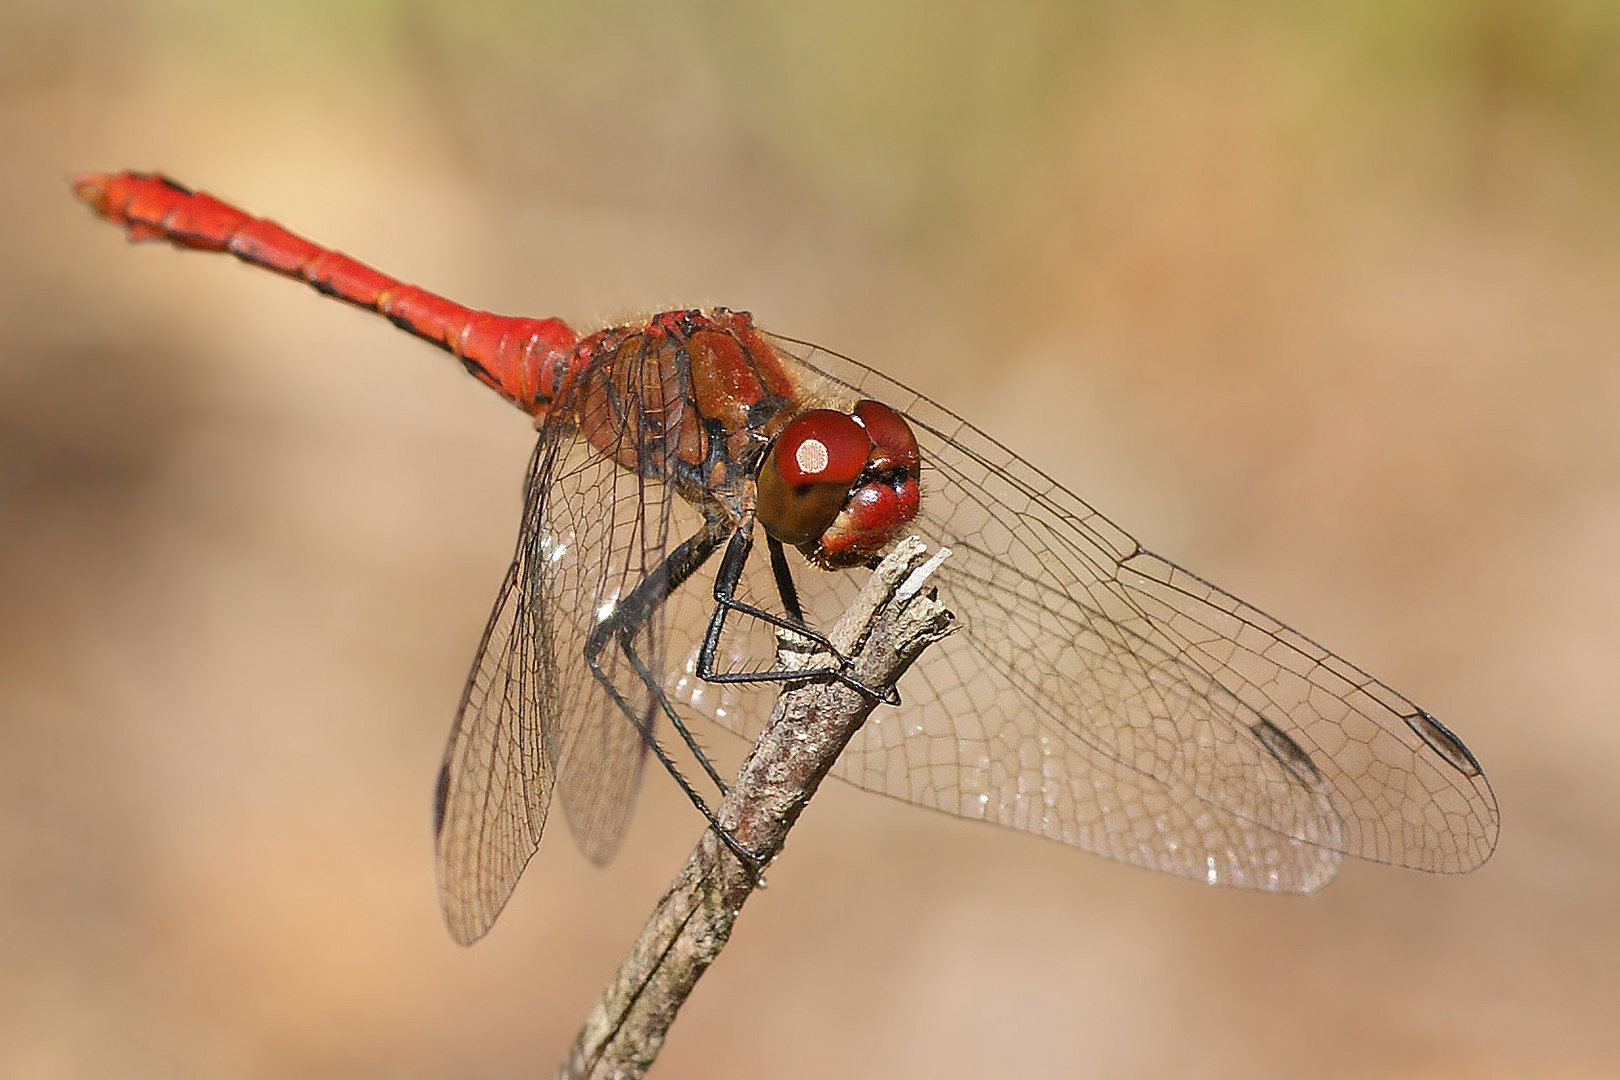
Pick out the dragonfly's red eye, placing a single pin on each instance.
(840, 486)
(822, 447)
(808, 473)
(895, 445)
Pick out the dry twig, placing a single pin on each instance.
(891, 622)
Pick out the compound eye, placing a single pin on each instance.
(808, 473)
(890, 434)
(822, 447)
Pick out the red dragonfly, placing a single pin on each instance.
(1095, 694)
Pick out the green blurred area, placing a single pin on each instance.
(921, 117)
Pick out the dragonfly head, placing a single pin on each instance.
(840, 486)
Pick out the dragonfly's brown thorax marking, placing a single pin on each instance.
(688, 398)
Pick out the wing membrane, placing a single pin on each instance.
(496, 781)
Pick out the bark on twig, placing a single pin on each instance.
(887, 628)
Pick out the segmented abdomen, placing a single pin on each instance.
(527, 361)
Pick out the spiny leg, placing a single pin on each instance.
(784, 580)
(725, 587)
(625, 621)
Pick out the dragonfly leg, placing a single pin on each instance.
(725, 601)
(622, 625)
(784, 580)
(626, 620)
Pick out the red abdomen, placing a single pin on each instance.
(526, 361)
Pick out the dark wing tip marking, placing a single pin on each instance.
(1444, 743)
(441, 793)
(1289, 754)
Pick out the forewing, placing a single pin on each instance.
(498, 773)
(1101, 696)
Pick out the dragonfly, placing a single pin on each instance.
(1095, 693)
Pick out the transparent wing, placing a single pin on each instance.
(1101, 696)
(496, 781)
(535, 715)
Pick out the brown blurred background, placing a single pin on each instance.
(1322, 300)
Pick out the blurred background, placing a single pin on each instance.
(1322, 301)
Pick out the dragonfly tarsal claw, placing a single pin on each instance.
(753, 862)
(884, 695)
